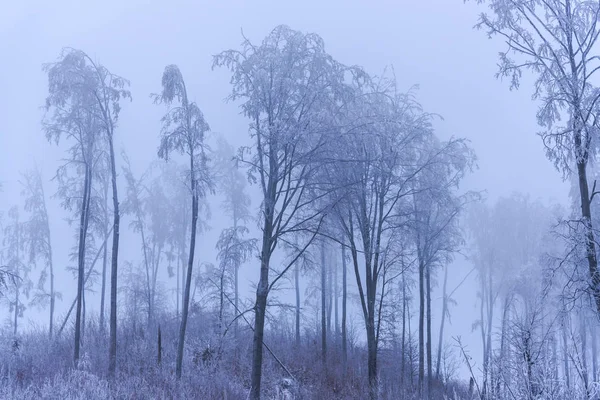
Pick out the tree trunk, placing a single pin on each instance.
(584, 350)
(112, 351)
(567, 372)
(17, 290)
(421, 327)
(586, 213)
(50, 260)
(237, 294)
(335, 303)
(159, 350)
(403, 344)
(372, 358)
(344, 308)
(188, 281)
(221, 299)
(594, 339)
(429, 366)
(105, 223)
(83, 225)
(261, 303)
(329, 295)
(178, 288)
(297, 287)
(441, 335)
(323, 306)
(503, 353)
(83, 315)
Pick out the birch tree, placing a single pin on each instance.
(76, 77)
(183, 131)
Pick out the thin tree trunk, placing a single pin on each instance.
(323, 305)
(403, 344)
(335, 302)
(344, 307)
(421, 327)
(584, 350)
(594, 339)
(297, 287)
(105, 223)
(50, 257)
(429, 366)
(441, 335)
(178, 267)
(83, 225)
(221, 299)
(329, 295)
(18, 289)
(237, 290)
(188, 281)
(567, 372)
(83, 315)
(112, 350)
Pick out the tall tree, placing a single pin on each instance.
(436, 209)
(73, 78)
(183, 131)
(39, 240)
(287, 84)
(70, 115)
(555, 39)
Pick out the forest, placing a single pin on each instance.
(324, 251)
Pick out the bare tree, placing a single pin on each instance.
(287, 84)
(78, 81)
(14, 249)
(555, 39)
(39, 240)
(183, 131)
(233, 248)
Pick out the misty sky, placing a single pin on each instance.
(429, 42)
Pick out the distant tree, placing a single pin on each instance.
(555, 39)
(233, 249)
(436, 208)
(148, 204)
(17, 266)
(183, 131)
(38, 239)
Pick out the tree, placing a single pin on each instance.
(39, 240)
(378, 163)
(14, 247)
(233, 249)
(70, 105)
(149, 205)
(76, 77)
(555, 39)
(183, 131)
(435, 212)
(288, 86)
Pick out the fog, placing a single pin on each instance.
(428, 43)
